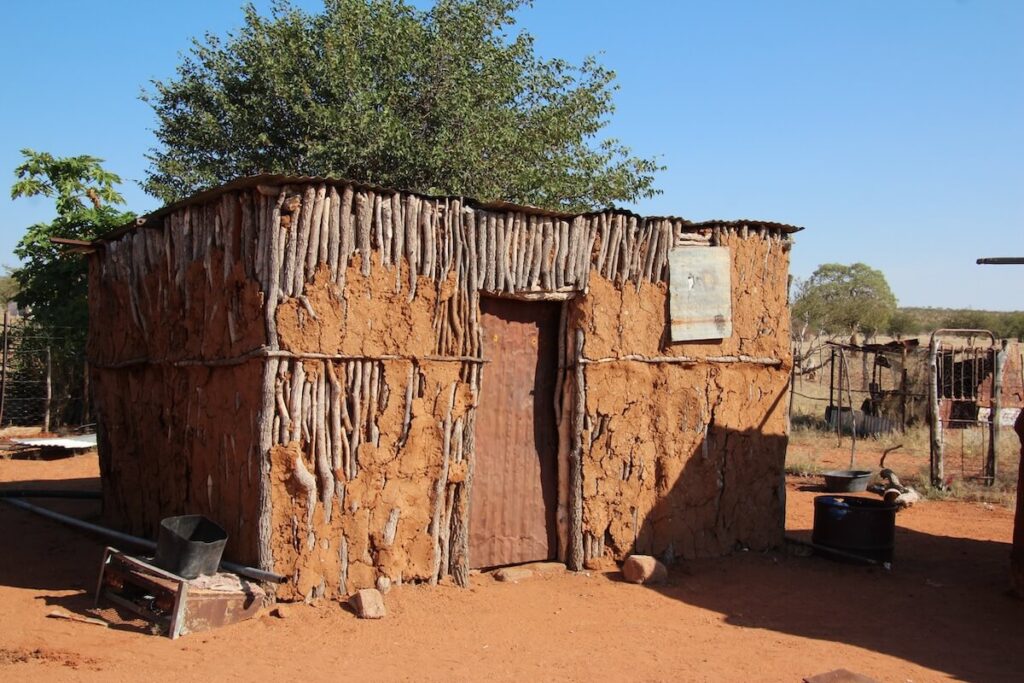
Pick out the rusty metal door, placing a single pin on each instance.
(515, 483)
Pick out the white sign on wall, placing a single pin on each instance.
(700, 293)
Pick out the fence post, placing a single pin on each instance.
(85, 393)
(3, 373)
(903, 392)
(995, 407)
(934, 420)
(49, 391)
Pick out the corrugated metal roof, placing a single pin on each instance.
(72, 442)
(277, 180)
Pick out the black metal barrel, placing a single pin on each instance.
(190, 545)
(859, 526)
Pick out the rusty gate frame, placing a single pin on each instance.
(943, 391)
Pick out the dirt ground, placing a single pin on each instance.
(942, 612)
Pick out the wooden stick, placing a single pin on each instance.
(479, 227)
(412, 243)
(373, 403)
(399, 230)
(439, 486)
(316, 229)
(347, 237)
(427, 217)
(636, 358)
(490, 283)
(364, 207)
(472, 264)
(537, 255)
(273, 259)
(388, 230)
(575, 541)
(604, 234)
(264, 532)
(307, 482)
(501, 254)
(410, 382)
(334, 232)
(378, 225)
(300, 235)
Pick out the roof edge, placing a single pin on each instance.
(275, 180)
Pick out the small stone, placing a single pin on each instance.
(368, 603)
(281, 612)
(512, 574)
(383, 584)
(644, 569)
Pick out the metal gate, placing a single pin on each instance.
(965, 378)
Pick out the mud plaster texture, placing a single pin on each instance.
(177, 439)
(686, 460)
(376, 523)
(277, 358)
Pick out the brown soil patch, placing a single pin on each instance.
(942, 612)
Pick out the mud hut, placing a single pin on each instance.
(366, 385)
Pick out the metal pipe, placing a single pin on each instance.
(241, 570)
(50, 493)
(1002, 261)
(839, 553)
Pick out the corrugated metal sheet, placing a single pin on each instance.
(515, 479)
(700, 293)
(71, 442)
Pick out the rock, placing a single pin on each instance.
(383, 584)
(368, 603)
(644, 569)
(512, 574)
(281, 612)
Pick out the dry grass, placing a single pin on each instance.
(813, 450)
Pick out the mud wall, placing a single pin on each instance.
(368, 483)
(174, 312)
(337, 327)
(181, 441)
(685, 459)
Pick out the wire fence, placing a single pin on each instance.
(43, 378)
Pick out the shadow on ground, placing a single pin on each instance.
(945, 605)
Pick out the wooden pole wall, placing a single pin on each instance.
(282, 236)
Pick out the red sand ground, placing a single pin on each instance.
(942, 612)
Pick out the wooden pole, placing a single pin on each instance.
(49, 392)
(792, 389)
(853, 414)
(839, 402)
(831, 377)
(934, 420)
(85, 393)
(995, 407)
(3, 373)
(574, 553)
(903, 392)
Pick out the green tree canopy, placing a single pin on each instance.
(845, 299)
(50, 282)
(441, 101)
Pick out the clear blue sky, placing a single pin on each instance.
(892, 129)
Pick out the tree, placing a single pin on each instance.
(441, 101)
(51, 283)
(903, 322)
(845, 299)
(8, 287)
